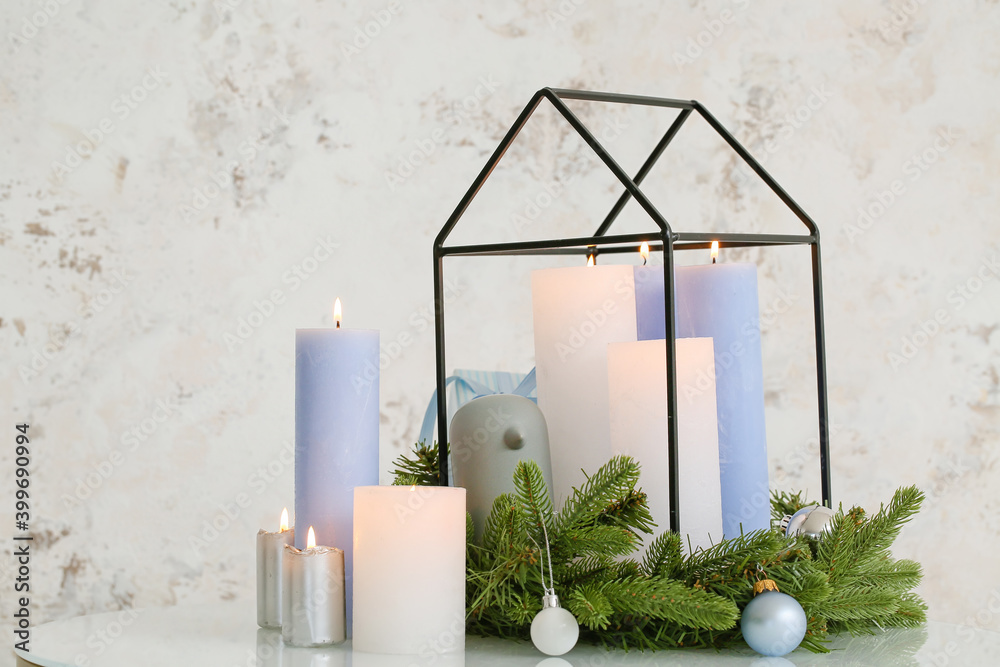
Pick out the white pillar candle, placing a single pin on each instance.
(409, 570)
(577, 312)
(269, 550)
(313, 608)
(637, 387)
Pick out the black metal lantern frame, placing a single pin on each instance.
(666, 240)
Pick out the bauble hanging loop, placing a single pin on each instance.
(554, 630)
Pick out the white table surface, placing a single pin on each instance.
(226, 634)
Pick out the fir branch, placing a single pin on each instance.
(604, 541)
(534, 499)
(897, 576)
(470, 536)
(732, 559)
(846, 582)
(804, 581)
(421, 468)
(663, 556)
(671, 600)
(630, 512)
(582, 570)
(911, 613)
(503, 524)
(591, 608)
(854, 539)
(876, 536)
(626, 569)
(612, 482)
(860, 604)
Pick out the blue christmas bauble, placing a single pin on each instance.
(773, 623)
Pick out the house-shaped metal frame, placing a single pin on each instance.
(665, 239)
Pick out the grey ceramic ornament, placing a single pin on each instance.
(489, 435)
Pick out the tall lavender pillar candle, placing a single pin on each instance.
(719, 301)
(336, 433)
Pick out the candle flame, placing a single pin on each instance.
(590, 260)
(338, 313)
(311, 538)
(715, 251)
(413, 488)
(644, 252)
(284, 520)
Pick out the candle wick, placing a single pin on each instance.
(338, 324)
(713, 262)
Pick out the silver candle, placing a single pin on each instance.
(269, 553)
(313, 606)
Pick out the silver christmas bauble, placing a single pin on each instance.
(813, 522)
(773, 623)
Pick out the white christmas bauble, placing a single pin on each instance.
(554, 631)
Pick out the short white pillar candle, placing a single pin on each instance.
(637, 379)
(409, 569)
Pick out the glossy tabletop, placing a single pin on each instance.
(226, 634)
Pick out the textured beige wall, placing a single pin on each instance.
(247, 150)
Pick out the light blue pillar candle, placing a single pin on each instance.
(336, 434)
(719, 301)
